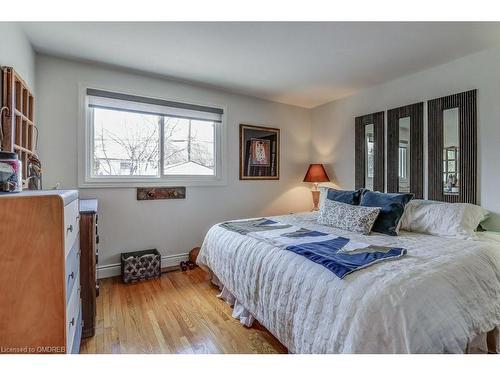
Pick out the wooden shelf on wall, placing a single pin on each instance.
(17, 122)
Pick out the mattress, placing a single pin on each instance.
(436, 299)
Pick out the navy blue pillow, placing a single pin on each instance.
(392, 207)
(345, 196)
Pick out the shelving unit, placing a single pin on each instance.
(18, 128)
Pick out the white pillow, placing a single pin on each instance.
(358, 219)
(458, 220)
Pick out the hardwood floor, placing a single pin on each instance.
(178, 313)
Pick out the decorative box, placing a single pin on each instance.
(140, 265)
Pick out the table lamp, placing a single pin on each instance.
(316, 173)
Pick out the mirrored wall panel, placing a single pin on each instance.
(404, 154)
(405, 167)
(451, 167)
(453, 148)
(369, 151)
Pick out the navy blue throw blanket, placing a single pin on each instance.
(338, 254)
(329, 255)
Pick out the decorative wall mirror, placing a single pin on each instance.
(369, 151)
(405, 150)
(453, 148)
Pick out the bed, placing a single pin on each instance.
(442, 297)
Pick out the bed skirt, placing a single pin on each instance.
(239, 311)
(487, 342)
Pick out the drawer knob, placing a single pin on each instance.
(72, 275)
(70, 228)
(72, 322)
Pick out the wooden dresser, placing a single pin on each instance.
(40, 307)
(89, 238)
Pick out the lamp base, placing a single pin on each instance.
(315, 194)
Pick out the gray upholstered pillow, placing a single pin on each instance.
(347, 216)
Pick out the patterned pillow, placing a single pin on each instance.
(346, 216)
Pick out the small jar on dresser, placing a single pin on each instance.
(40, 306)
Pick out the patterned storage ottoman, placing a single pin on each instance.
(140, 265)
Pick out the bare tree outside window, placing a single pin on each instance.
(128, 143)
(125, 143)
(188, 147)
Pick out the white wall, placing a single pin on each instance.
(324, 134)
(16, 51)
(172, 226)
(333, 123)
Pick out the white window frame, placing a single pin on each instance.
(85, 147)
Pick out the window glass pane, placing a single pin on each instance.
(125, 143)
(189, 147)
(202, 144)
(176, 134)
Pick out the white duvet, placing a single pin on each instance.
(438, 297)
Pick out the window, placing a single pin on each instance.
(450, 170)
(403, 161)
(137, 140)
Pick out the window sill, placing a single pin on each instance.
(171, 182)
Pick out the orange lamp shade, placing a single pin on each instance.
(316, 173)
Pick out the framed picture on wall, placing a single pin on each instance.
(259, 153)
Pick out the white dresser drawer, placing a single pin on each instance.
(71, 225)
(77, 337)
(72, 268)
(72, 313)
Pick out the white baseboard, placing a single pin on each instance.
(110, 270)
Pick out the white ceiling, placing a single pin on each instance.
(304, 64)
